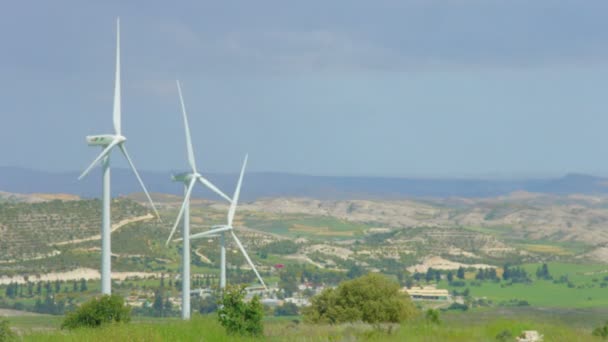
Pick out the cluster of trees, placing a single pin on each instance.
(487, 274)
(372, 298)
(515, 274)
(51, 306)
(31, 289)
(543, 272)
(281, 247)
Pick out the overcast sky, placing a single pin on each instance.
(460, 88)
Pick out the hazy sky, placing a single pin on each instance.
(397, 88)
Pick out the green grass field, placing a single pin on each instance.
(308, 226)
(587, 290)
(206, 328)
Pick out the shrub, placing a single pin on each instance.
(98, 311)
(6, 334)
(601, 331)
(239, 317)
(432, 316)
(372, 298)
(504, 335)
(458, 306)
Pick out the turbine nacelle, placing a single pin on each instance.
(185, 177)
(104, 139)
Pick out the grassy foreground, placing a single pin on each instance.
(206, 328)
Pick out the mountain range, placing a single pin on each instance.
(275, 184)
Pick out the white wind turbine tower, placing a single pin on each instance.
(189, 179)
(228, 227)
(107, 142)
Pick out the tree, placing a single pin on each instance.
(6, 334)
(430, 274)
(372, 298)
(601, 331)
(460, 273)
(450, 276)
(432, 316)
(98, 311)
(83, 285)
(355, 272)
(205, 305)
(158, 304)
(239, 317)
(543, 272)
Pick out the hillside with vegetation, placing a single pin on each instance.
(486, 253)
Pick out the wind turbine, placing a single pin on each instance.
(189, 179)
(222, 229)
(107, 142)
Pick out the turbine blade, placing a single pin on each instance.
(210, 232)
(188, 138)
(237, 191)
(238, 242)
(126, 154)
(208, 184)
(117, 102)
(181, 210)
(99, 157)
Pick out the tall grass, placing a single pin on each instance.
(206, 328)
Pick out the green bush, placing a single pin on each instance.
(6, 334)
(98, 311)
(372, 298)
(432, 316)
(504, 335)
(239, 317)
(601, 331)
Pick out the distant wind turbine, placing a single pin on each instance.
(189, 179)
(107, 143)
(228, 227)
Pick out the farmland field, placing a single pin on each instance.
(585, 290)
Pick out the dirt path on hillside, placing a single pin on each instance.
(115, 227)
(202, 256)
(11, 313)
(76, 274)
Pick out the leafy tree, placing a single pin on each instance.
(601, 331)
(543, 272)
(355, 272)
(372, 298)
(282, 247)
(430, 274)
(6, 334)
(98, 311)
(450, 276)
(460, 273)
(83, 285)
(432, 316)
(239, 317)
(158, 304)
(205, 305)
